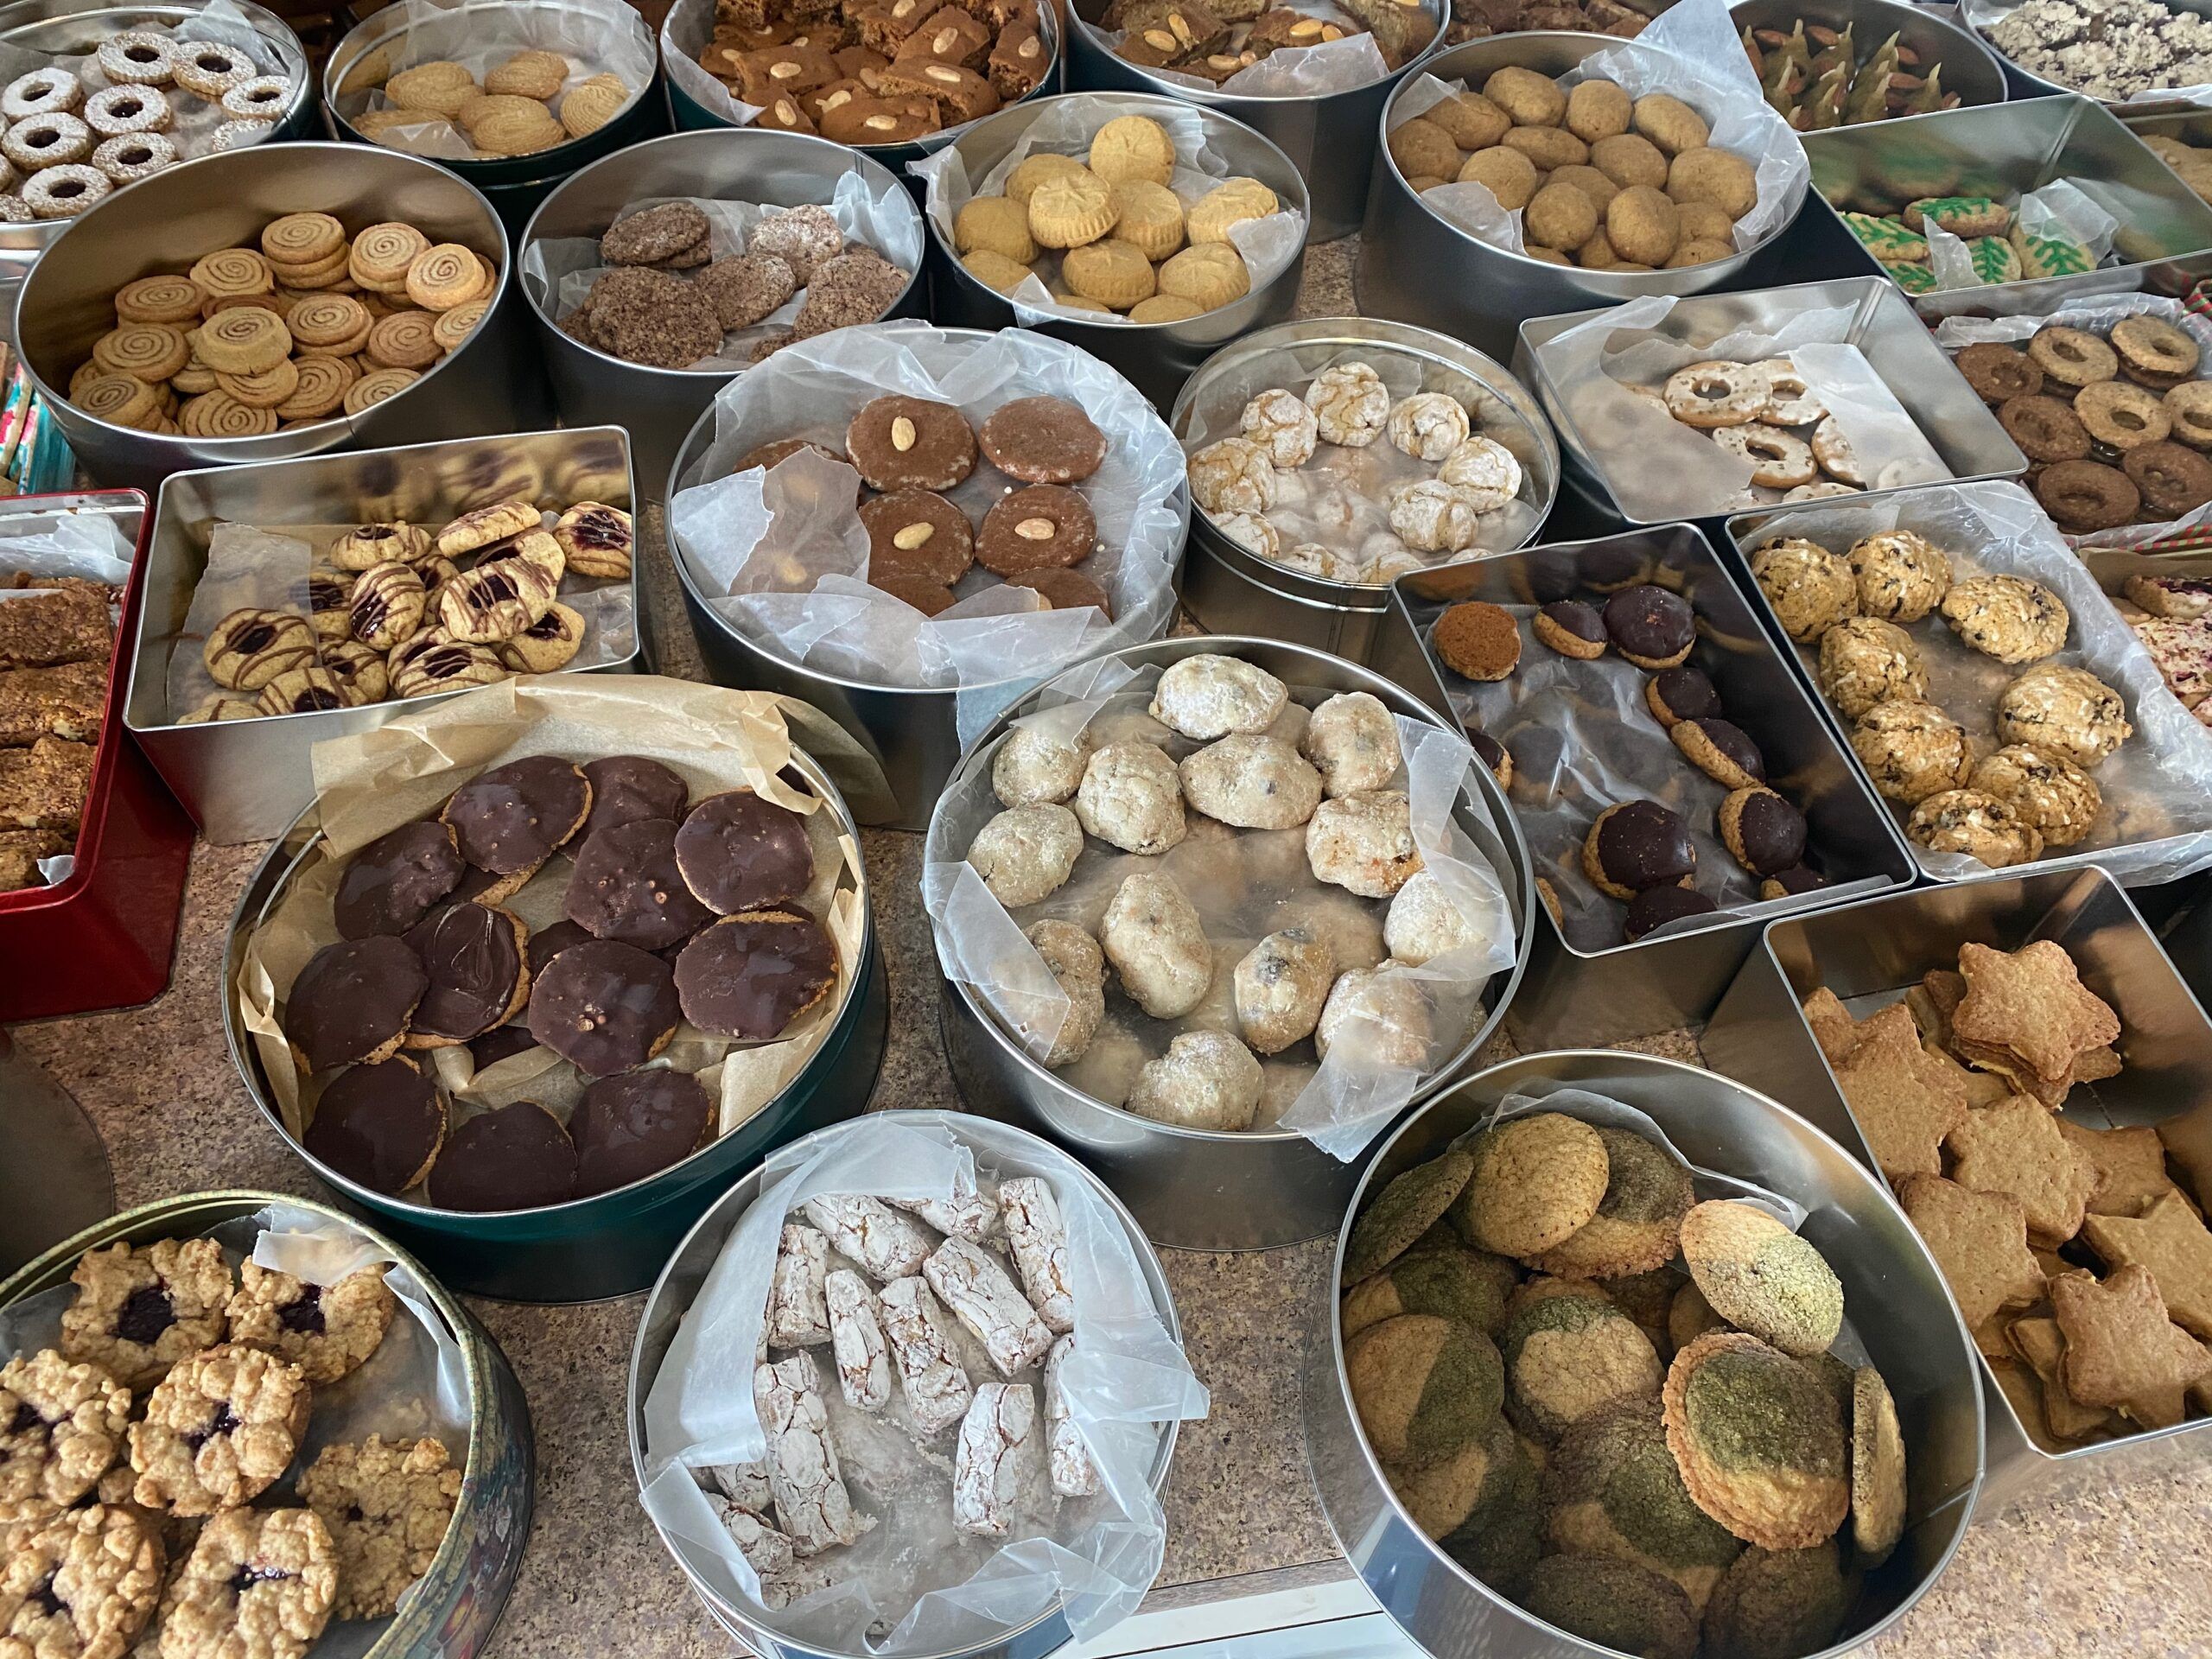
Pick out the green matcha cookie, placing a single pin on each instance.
(1639, 1220)
(1758, 1439)
(1460, 1284)
(1536, 1180)
(1403, 1211)
(1761, 1277)
(1777, 1605)
(1612, 1488)
(1615, 1604)
(1568, 1352)
(1481, 1505)
(1647, 1298)
(1424, 1388)
(1878, 1494)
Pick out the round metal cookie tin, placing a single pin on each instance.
(452, 1609)
(1895, 1297)
(1208, 1189)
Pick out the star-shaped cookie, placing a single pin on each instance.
(2122, 1350)
(2015, 1147)
(1832, 1027)
(1905, 1103)
(2043, 1346)
(2031, 1002)
(1979, 1240)
(2131, 1167)
(2170, 1241)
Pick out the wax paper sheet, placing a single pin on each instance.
(1690, 51)
(782, 556)
(1066, 127)
(1245, 884)
(414, 1387)
(366, 785)
(2060, 209)
(2157, 824)
(1340, 499)
(1658, 468)
(912, 1584)
(1303, 72)
(596, 37)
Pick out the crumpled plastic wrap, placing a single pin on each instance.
(912, 1584)
(595, 36)
(558, 271)
(2095, 316)
(2060, 209)
(414, 1387)
(1655, 468)
(1066, 127)
(783, 557)
(1341, 66)
(1341, 498)
(1245, 884)
(1690, 51)
(2157, 824)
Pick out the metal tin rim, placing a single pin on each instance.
(1094, 37)
(383, 26)
(1435, 66)
(1288, 184)
(1508, 827)
(246, 1061)
(1400, 336)
(1960, 34)
(693, 443)
(336, 151)
(397, 1640)
(1659, 1062)
(1148, 1261)
(869, 168)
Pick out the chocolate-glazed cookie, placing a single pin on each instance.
(1654, 907)
(393, 882)
(918, 533)
(1045, 526)
(1791, 884)
(605, 1007)
(749, 976)
(1043, 441)
(516, 1158)
(509, 1040)
(351, 1003)
(378, 1125)
(738, 852)
(1572, 627)
(1721, 750)
(1650, 626)
(550, 942)
(628, 787)
(626, 885)
(1678, 694)
(1761, 831)
(1636, 845)
(1494, 754)
(509, 820)
(910, 444)
(629, 1126)
(479, 976)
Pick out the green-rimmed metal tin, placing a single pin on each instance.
(452, 1609)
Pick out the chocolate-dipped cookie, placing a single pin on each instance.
(626, 885)
(1637, 845)
(379, 1126)
(480, 977)
(1609, 567)
(1494, 754)
(1654, 907)
(1720, 749)
(1572, 627)
(1678, 694)
(1761, 831)
(604, 1006)
(516, 1158)
(504, 1044)
(628, 1126)
(1789, 884)
(509, 820)
(738, 852)
(397, 880)
(1649, 627)
(628, 787)
(550, 942)
(351, 1003)
(749, 976)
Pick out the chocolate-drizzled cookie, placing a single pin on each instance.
(738, 852)
(396, 881)
(510, 820)
(749, 976)
(516, 1158)
(380, 1126)
(628, 787)
(626, 886)
(479, 976)
(351, 1003)
(628, 1126)
(605, 1007)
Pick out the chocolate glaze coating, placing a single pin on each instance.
(1685, 692)
(512, 817)
(550, 942)
(1772, 833)
(473, 955)
(626, 886)
(738, 852)
(1578, 617)
(378, 1125)
(750, 974)
(516, 1158)
(628, 1126)
(1607, 566)
(605, 1006)
(1788, 884)
(628, 787)
(501, 1044)
(1730, 739)
(352, 999)
(1645, 845)
(1654, 907)
(1649, 622)
(395, 881)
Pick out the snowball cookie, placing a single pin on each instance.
(1381, 1018)
(1129, 796)
(1157, 945)
(1280, 985)
(1255, 783)
(1347, 926)
(1353, 740)
(1208, 697)
(1080, 967)
(1206, 1080)
(1363, 842)
(1423, 922)
(1026, 853)
(1033, 765)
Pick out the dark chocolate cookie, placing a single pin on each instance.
(628, 787)
(605, 1007)
(1761, 831)
(1721, 750)
(626, 885)
(379, 1126)
(1636, 845)
(1650, 626)
(1791, 883)
(1064, 590)
(479, 976)
(738, 852)
(750, 975)
(1654, 907)
(509, 1040)
(509, 820)
(516, 1158)
(1677, 694)
(628, 1126)
(394, 881)
(351, 1003)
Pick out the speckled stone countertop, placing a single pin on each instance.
(2128, 1575)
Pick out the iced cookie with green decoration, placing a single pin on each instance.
(1761, 1277)
(1469, 1286)
(1993, 259)
(1612, 1489)
(1777, 1605)
(1966, 216)
(1639, 1219)
(1569, 1351)
(1481, 1504)
(1888, 240)
(1759, 1441)
(1424, 1388)
(1913, 279)
(1616, 1604)
(2050, 256)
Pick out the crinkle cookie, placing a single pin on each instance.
(1234, 476)
(387, 1505)
(219, 1428)
(139, 1310)
(1429, 425)
(1363, 844)
(2010, 618)
(326, 1331)
(1350, 404)
(61, 1427)
(1432, 516)
(1281, 422)
(1210, 695)
(2063, 711)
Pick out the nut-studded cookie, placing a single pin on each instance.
(387, 1505)
(326, 1331)
(141, 1309)
(259, 1584)
(219, 1428)
(61, 1427)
